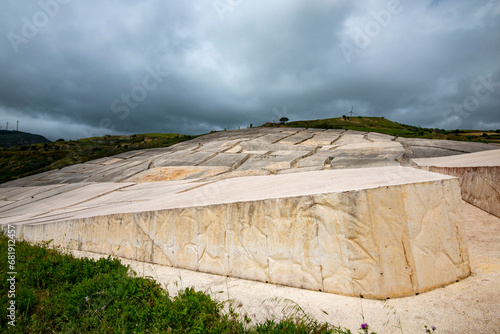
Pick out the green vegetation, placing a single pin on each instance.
(56, 293)
(24, 160)
(13, 138)
(382, 125)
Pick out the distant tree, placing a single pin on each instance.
(497, 131)
(344, 117)
(251, 125)
(485, 134)
(283, 120)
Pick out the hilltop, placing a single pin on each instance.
(13, 138)
(382, 125)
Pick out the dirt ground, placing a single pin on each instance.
(468, 306)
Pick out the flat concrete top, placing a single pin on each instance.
(477, 159)
(110, 199)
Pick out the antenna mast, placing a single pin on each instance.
(17, 127)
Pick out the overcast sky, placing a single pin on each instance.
(73, 69)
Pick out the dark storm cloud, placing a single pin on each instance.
(74, 69)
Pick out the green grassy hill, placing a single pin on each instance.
(382, 125)
(24, 160)
(13, 138)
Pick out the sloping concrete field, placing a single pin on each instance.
(327, 210)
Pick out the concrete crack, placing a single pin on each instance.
(206, 159)
(231, 147)
(408, 265)
(274, 142)
(365, 136)
(328, 163)
(239, 163)
(300, 142)
(405, 160)
(338, 138)
(294, 163)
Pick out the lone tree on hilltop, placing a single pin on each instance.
(283, 120)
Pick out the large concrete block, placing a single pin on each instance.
(478, 173)
(385, 232)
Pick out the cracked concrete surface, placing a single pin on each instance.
(328, 210)
(256, 151)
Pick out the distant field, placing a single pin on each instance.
(24, 160)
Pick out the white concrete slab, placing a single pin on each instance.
(477, 159)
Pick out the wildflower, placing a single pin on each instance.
(427, 330)
(86, 299)
(364, 326)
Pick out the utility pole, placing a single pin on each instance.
(7, 126)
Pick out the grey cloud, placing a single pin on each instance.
(230, 72)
